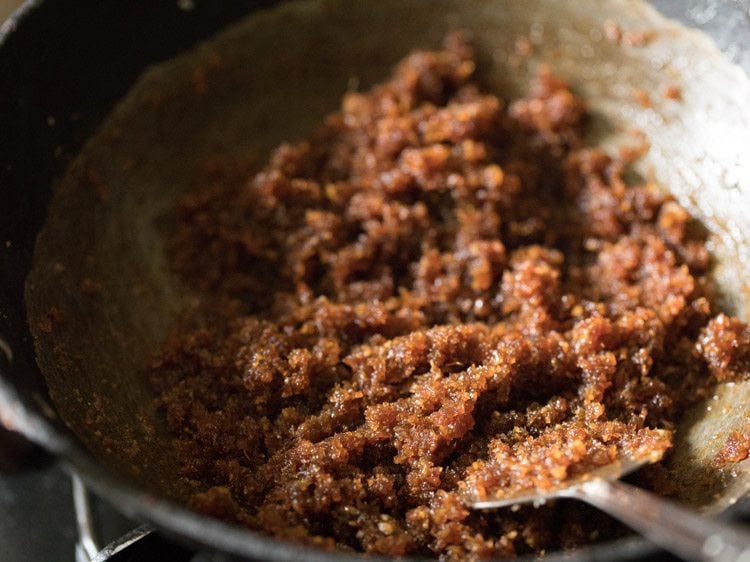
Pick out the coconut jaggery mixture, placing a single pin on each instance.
(435, 294)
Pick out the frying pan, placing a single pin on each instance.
(79, 389)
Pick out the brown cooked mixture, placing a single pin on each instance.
(735, 449)
(435, 294)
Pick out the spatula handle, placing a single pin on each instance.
(674, 528)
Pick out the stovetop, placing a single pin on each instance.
(37, 521)
(40, 522)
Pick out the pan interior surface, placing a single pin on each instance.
(102, 297)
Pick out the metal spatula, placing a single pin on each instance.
(675, 528)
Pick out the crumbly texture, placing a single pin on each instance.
(435, 296)
(735, 449)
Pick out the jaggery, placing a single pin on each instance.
(436, 293)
